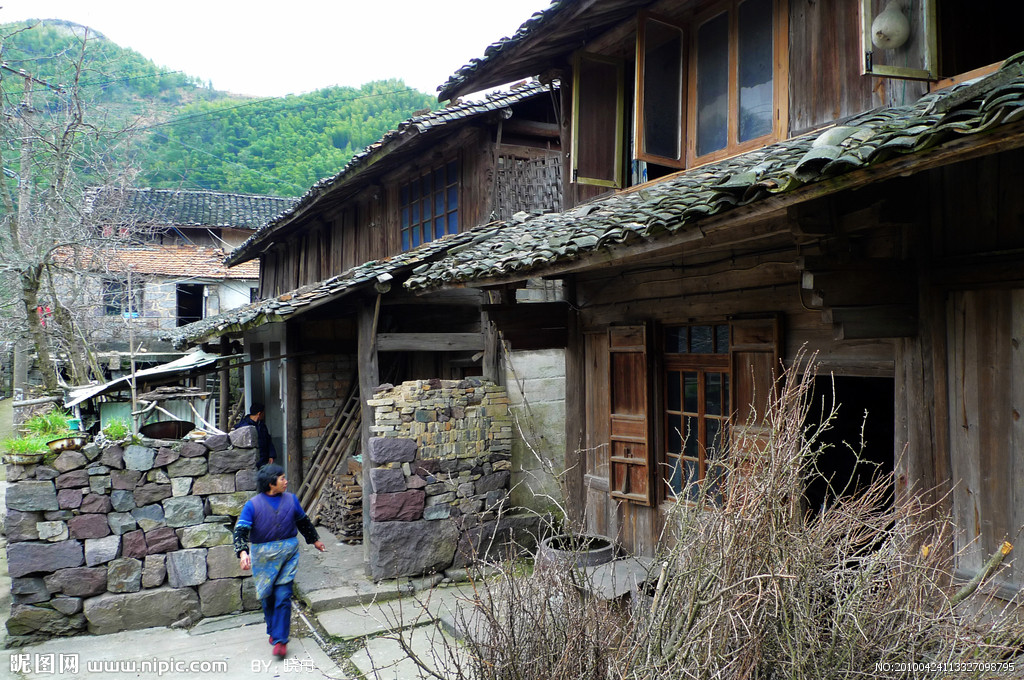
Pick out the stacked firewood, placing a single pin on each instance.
(341, 504)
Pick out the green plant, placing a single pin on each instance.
(23, 445)
(51, 424)
(117, 428)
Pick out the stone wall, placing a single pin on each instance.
(440, 469)
(126, 537)
(325, 382)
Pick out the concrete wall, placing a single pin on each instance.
(536, 389)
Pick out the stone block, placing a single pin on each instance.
(410, 548)
(249, 599)
(52, 531)
(434, 512)
(151, 493)
(181, 486)
(217, 442)
(220, 597)
(75, 479)
(157, 607)
(221, 562)
(150, 516)
(441, 499)
(187, 467)
(207, 484)
(183, 511)
(232, 460)
(245, 480)
(102, 550)
(113, 457)
(78, 581)
(492, 482)
(124, 575)
(32, 495)
(69, 460)
(204, 536)
(21, 526)
(26, 558)
(89, 526)
(416, 482)
(27, 619)
(228, 503)
(125, 479)
(244, 438)
(192, 449)
(95, 503)
(165, 456)
(121, 522)
(157, 476)
(99, 484)
(405, 506)
(91, 450)
(29, 590)
(45, 472)
(139, 458)
(465, 490)
(133, 544)
(154, 571)
(69, 499)
(186, 567)
(392, 450)
(67, 605)
(161, 540)
(387, 480)
(122, 500)
(58, 515)
(96, 469)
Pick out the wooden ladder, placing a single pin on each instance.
(334, 447)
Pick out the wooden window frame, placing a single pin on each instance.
(618, 170)
(406, 229)
(641, 153)
(931, 46)
(118, 299)
(780, 77)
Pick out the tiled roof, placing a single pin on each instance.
(679, 202)
(190, 261)
(282, 307)
(417, 125)
(181, 208)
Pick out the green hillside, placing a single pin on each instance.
(192, 136)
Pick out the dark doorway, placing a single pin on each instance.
(849, 462)
(190, 302)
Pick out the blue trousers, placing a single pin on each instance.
(277, 612)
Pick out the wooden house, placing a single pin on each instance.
(333, 321)
(752, 178)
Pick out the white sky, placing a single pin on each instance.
(265, 48)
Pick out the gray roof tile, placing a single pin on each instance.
(184, 208)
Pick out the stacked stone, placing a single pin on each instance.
(129, 537)
(442, 453)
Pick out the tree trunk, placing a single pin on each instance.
(30, 301)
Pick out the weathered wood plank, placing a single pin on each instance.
(369, 379)
(576, 389)
(1016, 409)
(429, 342)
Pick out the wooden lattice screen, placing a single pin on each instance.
(528, 184)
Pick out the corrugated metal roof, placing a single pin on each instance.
(678, 203)
(423, 124)
(184, 208)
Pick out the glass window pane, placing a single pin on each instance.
(712, 438)
(755, 67)
(690, 392)
(415, 234)
(674, 436)
(415, 213)
(453, 198)
(425, 187)
(692, 475)
(426, 208)
(438, 204)
(700, 340)
(405, 240)
(715, 482)
(713, 84)
(726, 409)
(453, 173)
(663, 87)
(453, 223)
(414, 191)
(439, 179)
(439, 227)
(675, 340)
(673, 395)
(722, 339)
(691, 441)
(404, 193)
(713, 394)
(675, 476)
(405, 217)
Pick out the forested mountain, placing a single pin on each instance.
(189, 135)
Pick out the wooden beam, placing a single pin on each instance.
(292, 408)
(532, 128)
(369, 379)
(430, 342)
(575, 413)
(225, 387)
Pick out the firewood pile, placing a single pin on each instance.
(341, 504)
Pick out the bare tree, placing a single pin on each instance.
(54, 147)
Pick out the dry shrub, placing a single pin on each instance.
(756, 587)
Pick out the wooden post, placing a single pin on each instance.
(225, 386)
(492, 349)
(575, 412)
(369, 378)
(292, 407)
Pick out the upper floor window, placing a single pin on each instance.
(430, 205)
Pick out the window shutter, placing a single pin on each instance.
(597, 119)
(754, 350)
(631, 453)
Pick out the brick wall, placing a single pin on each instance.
(325, 382)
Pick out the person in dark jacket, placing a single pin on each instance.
(258, 418)
(265, 541)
